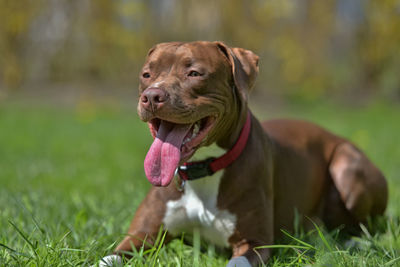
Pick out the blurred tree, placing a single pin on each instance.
(16, 18)
(308, 48)
(378, 48)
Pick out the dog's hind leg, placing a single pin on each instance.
(357, 184)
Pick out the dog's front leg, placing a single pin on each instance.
(255, 229)
(244, 255)
(145, 225)
(148, 219)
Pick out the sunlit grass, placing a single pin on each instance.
(70, 181)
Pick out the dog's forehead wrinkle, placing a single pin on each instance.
(188, 61)
(150, 65)
(162, 58)
(202, 57)
(199, 52)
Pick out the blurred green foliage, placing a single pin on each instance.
(308, 48)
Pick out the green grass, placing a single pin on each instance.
(72, 177)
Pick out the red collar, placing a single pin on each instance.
(198, 169)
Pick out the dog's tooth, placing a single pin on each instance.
(195, 131)
(187, 139)
(196, 128)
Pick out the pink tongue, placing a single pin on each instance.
(165, 153)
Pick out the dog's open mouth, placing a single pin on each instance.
(173, 144)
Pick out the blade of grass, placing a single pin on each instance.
(283, 246)
(15, 252)
(298, 258)
(321, 235)
(391, 262)
(298, 240)
(160, 244)
(196, 247)
(25, 238)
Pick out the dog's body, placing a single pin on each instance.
(285, 165)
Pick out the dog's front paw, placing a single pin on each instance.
(239, 262)
(109, 261)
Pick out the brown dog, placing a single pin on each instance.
(194, 98)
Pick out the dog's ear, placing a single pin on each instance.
(244, 67)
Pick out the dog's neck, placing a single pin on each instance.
(235, 126)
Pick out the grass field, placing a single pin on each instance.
(72, 177)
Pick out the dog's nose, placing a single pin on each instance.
(153, 98)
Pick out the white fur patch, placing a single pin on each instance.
(110, 260)
(197, 208)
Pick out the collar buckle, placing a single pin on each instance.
(196, 170)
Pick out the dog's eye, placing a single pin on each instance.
(194, 73)
(146, 75)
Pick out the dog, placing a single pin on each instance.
(215, 168)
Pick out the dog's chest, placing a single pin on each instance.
(197, 210)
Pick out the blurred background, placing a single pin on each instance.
(72, 146)
(343, 50)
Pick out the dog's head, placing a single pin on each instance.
(191, 95)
